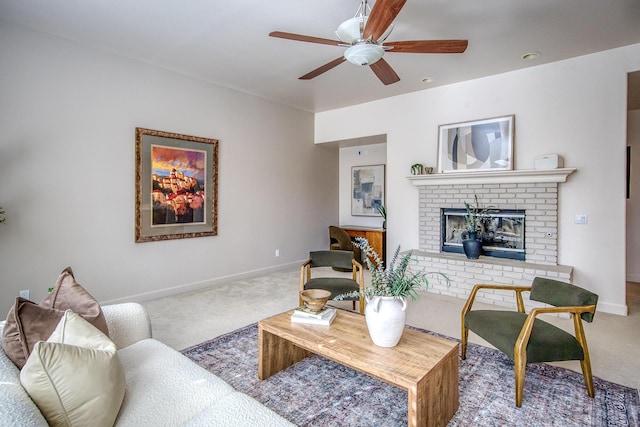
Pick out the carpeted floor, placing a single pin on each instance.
(319, 392)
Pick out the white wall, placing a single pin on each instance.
(633, 203)
(364, 155)
(67, 120)
(576, 108)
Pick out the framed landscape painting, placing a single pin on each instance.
(367, 190)
(478, 145)
(176, 186)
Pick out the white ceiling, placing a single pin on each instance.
(226, 41)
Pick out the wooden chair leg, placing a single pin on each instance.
(586, 372)
(519, 370)
(463, 346)
(585, 364)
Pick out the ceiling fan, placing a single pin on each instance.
(365, 34)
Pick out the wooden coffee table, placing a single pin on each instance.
(424, 365)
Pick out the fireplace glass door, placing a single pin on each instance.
(501, 231)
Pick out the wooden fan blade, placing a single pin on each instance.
(384, 72)
(429, 46)
(323, 69)
(301, 38)
(382, 15)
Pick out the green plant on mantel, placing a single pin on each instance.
(2, 218)
(396, 280)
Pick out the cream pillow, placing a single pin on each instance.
(75, 377)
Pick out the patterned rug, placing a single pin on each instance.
(319, 392)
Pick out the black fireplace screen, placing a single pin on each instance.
(501, 231)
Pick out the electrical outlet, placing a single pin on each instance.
(24, 293)
(277, 252)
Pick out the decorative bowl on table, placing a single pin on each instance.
(315, 299)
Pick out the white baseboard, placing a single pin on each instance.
(175, 290)
(606, 307)
(633, 277)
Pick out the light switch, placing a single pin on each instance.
(580, 219)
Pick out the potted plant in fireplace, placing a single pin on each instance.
(473, 219)
(387, 296)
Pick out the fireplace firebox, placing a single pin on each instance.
(501, 231)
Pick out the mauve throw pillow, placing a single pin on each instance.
(67, 294)
(28, 322)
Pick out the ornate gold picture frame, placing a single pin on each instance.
(176, 186)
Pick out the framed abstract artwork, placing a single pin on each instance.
(176, 186)
(478, 145)
(367, 190)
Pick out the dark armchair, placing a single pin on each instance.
(334, 284)
(527, 339)
(340, 240)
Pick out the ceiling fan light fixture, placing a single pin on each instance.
(349, 30)
(364, 54)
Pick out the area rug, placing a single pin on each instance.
(319, 392)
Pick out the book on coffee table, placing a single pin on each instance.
(306, 311)
(324, 318)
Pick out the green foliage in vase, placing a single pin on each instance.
(397, 279)
(476, 214)
(383, 212)
(2, 218)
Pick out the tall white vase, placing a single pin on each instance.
(385, 318)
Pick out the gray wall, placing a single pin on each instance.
(67, 119)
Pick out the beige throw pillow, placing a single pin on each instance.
(75, 377)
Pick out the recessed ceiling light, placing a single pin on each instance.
(427, 80)
(531, 55)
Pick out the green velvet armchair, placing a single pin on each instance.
(337, 285)
(527, 339)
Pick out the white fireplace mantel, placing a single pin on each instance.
(493, 177)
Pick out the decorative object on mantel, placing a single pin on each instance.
(548, 161)
(420, 169)
(387, 296)
(481, 144)
(2, 218)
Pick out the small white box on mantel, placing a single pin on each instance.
(548, 161)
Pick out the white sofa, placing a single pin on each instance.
(164, 388)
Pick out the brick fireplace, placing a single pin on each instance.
(534, 191)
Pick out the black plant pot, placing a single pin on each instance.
(472, 247)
